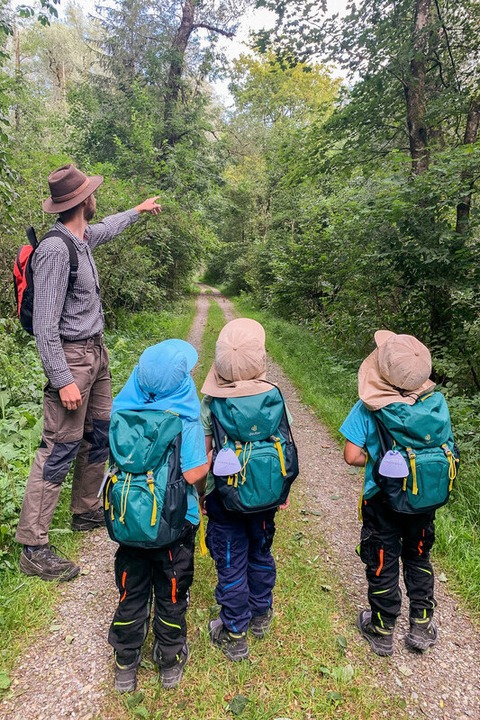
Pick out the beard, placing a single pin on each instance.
(89, 210)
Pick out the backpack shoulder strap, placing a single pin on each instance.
(32, 237)
(285, 415)
(72, 253)
(386, 440)
(219, 434)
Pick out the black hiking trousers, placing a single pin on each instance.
(160, 576)
(386, 537)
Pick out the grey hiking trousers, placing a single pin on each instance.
(68, 435)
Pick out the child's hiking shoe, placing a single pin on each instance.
(170, 677)
(233, 645)
(260, 624)
(88, 520)
(126, 674)
(45, 562)
(422, 635)
(381, 641)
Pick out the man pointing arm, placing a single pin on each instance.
(68, 325)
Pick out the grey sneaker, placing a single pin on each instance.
(47, 564)
(233, 645)
(422, 635)
(170, 677)
(126, 674)
(89, 520)
(260, 624)
(381, 641)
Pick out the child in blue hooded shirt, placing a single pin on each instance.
(161, 381)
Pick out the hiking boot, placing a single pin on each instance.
(233, 645)
(422, 635)
(170, 677)
(260, 624)
(381, 641)
(88, 520)
(45, 562)
(126, 674)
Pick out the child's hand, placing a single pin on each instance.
(285, 505)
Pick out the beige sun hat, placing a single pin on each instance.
(398, 370)
(240, 364)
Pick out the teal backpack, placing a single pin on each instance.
(422, 434)
(145, 495)
(256, 428)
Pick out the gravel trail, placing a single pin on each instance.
(65, 673)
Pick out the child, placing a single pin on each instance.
(396, 372)
(161, 381)
(240, 541)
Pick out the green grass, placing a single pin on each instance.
(329, 386)
(311, 665)
(26, 604)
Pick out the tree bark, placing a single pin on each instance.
(471, 134)
(179, 48)
(414, 89)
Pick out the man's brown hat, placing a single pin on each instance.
(69, 186)
(398, 370)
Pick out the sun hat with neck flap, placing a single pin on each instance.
(240, 364)
(398, 370)
(69, 186)
(161, 380)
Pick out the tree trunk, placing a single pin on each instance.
(414, 89)
(471, 133)
(16, 42)
(179, 48)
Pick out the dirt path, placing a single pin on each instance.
(64, 674)
(444, 683)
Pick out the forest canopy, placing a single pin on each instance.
(339, 190)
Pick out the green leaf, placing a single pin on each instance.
(134, 699)
(334, 697)
(343, 674)
(142, 712)
(237, 704)
(342, 643)
(5, 681)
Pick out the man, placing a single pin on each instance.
(67, 323)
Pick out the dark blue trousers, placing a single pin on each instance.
(240, 544)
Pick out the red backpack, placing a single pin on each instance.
(23, 275)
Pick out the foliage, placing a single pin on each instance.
(350, 218)
(97, 99)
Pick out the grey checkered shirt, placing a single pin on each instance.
(76, 314)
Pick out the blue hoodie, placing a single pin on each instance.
(161, 381)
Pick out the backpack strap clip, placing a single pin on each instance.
(413, 467)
